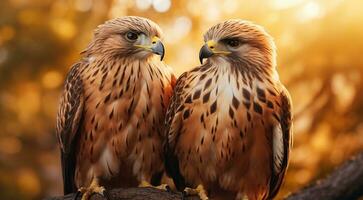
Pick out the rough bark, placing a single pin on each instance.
(130, 194)
(346, 182)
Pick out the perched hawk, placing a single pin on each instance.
(112, 110)
(229, 120)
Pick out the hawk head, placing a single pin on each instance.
(130, 36)
(239, 41)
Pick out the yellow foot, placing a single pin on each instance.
(197, 191)
(94, 188)
(160, 187)
(241, 196)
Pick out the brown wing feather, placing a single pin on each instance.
(172, 126)
(286, 126)
(168, 91)
(68, 122)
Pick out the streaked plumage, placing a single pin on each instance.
(229, 120)
(113, 106)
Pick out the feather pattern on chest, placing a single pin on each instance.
(229, 120)
(225, 120)
(125, 102)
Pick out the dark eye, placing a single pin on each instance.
(233, 42)
(131, 36)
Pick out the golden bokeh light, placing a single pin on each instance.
(28, 182)
(6, 33)
(65, 29)
(10, 145)
(52, 79)
(27, 102)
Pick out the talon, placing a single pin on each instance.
(94, 188)
(167, 188)
(197, 191)
(145, 184)
(99, 190)
(242, 196)
(184, 195)
(164, 187)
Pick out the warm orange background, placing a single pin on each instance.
(320, 59)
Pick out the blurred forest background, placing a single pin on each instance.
(320, 59)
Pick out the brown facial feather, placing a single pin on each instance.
(109, 38)
(256, 52)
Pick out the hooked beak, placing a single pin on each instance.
(209, 49)
(156, 47)
(205, 52)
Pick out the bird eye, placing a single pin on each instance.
(233, 43)
(131, 36)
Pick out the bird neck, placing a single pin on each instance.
(257, 68)
(96, 59)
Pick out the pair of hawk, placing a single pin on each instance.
(223, 128)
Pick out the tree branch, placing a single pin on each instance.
(131, 194)
(346, 182)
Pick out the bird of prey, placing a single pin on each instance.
(112, 109)
(229, 120)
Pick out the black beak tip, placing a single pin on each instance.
(200, 60)
(162, 56)
(204, 52)
(162, 51)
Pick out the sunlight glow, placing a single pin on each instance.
(230, 6)
(65, 29)
(178, 30)
(213, 13)
(182, 25)
(344, 91)
(52, 79)
(310, 10)
(284, 4)
(84, 5)
(161, 5)
(28, 182)
(143, 4)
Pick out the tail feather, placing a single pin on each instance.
(172, 169)
(68, 172)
